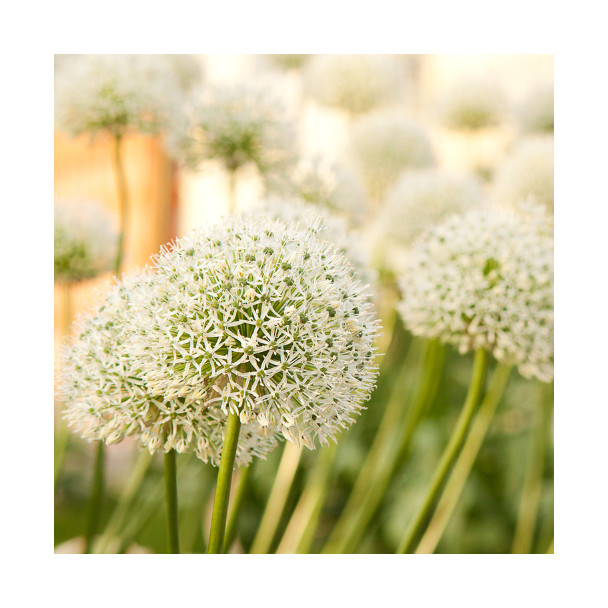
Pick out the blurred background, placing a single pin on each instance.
(168, 198)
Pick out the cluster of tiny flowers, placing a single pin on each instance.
(354, 83)
(422, 198)
(115, 93)
(335, 230)
(319, 183)
(107, 399)
(527, 173)
(537, 112)
(263, 320)
(85, 240)
(471, 105)
(383, 145)
(288, 61)
(235, 125)
(485, 280)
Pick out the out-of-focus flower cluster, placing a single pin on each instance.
(485, 280)
(537, 111)
(85, 240)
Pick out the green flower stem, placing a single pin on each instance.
(62, 434)
(171, 502)
(301, 529)
(235, 508)
(125, 501)
(530, 498)
(464, 464)
(123, 200)
(231, 191)
(224, 479)
(551, 549)
(395, 450)
(278, 497)
(451, 451)
(95, 502)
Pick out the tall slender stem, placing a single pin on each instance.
(171, 502)
(224, 479)
(394, 450)
(231, 190)
(451, 451)
(277, 499)
(233, 515)
(464, 464)
(531, 494)
(95, 503)
(123, 201)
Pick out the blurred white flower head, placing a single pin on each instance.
(107, 399)
(261, 319)
(86, 240)
(354, 83)
(235, 125)
(187, 69)
(382, 145)
(485, 280)
(115, 93)
(335, 230)
(424, 197)
(470, 105)
(288, 62)
(527, 173)
(536, 112)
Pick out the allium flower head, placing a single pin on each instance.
(355, 83)
(471, 105)
(235, 125)
(187, 69)
(107, 399)
(383, 145)
(527, 173)
(536, 113)
(335, 230)
(114, 93)
(485, 280)
(259, 318)
(288, 61)
(422, 198)
(85, 240)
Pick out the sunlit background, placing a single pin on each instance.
(167, 199)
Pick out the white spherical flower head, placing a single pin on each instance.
(485, 280)
(235, 125)
(354, 83)
(537, 110)
(115, 93)
(471, 105)
(334, 229)
(107, 399)
(422, 198)
(383, 145)
(527, 173)
(264, 320)
(85, 240)
(288, 62)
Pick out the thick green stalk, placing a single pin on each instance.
(95, 502)
(125, 501)
(235, 507)
(530, 498)
(394, 452)
(551, 548)
(301, 529)
(171, 502)
(277, 499)
(451, 451)
(224, 479)
(464, 464)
